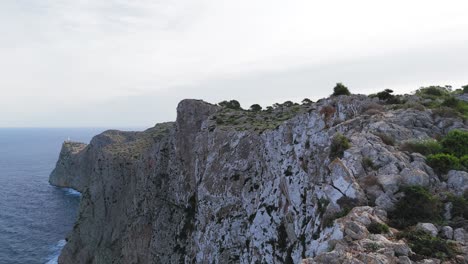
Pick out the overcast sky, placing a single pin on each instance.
(117, 63)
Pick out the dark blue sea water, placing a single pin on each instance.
(34, 216)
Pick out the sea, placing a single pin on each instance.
(35, 217)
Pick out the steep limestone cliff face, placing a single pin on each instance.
(196, 191)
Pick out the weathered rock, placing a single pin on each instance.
(211, 190)
(446, 232)
(460, 235)
(428, 228)
(457, 181)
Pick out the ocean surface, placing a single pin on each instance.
(34, 216)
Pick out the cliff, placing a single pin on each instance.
(231, 186)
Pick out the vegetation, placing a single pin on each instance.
(418, 205)
(425, 147)
(368, 164)
(255, 108)
(455, 143)
(378, 228)
(338, 145)
(386, 138)
(306, 101)
(464, 162)
(425, 245)
(459, 206)
(340, 89)
(233, 104)
(442, 162)
(465, 88)
(387, 96)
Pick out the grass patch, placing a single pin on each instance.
(425, 245)
(378, 228)
(338, 145)
(425, 147)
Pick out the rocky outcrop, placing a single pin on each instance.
(197, 191)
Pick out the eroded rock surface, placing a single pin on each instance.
(193, 191)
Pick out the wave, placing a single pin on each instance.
(53, 259)
(72, 192)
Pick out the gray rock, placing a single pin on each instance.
(412, 177)
(404, 260)
(457, 181)
(428, 228)
(448, 211)
(385, 202)
(446, 232)
(460, 235)
(207, 189)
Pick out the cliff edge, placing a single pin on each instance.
(295, 183)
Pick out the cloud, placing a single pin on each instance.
(63, 54)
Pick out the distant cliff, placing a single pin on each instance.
(294, 183)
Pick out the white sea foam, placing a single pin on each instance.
(53, 259)
(70, 191)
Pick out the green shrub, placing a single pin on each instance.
(459, 206)
(450, 102)
(465, 88)
(442, 163)
(445, 112)
(306, 101)
(425, 245)
(338, 145)
(386, 138)
(455, 142)
(418, 205)
(378, 228)
(340, 89)
(425, 147)
(368, 164)
(233, 104)
(255, 108)
(464, 162)
(432, 91)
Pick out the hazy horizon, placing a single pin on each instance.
(123, 63)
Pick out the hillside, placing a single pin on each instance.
(347, 179)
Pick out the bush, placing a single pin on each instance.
(255, 108)
(445, 112)
(442, 163)
(418, 205)
(378, 228)
(386, 138)
(464, 162)
(340, 89)
(368, 164)
(306, 101)
(450, 102)
(425, 245)
(455, 142)
(459, 206)
(338, 145)
(465, 89)
(233, 104)
(425, 147)
(434, 91)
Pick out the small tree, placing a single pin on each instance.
(340, 89)
(465, 88)
(306, 101)
(255, 108)
(288, 103)
(233, 104)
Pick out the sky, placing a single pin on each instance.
(127, 63)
